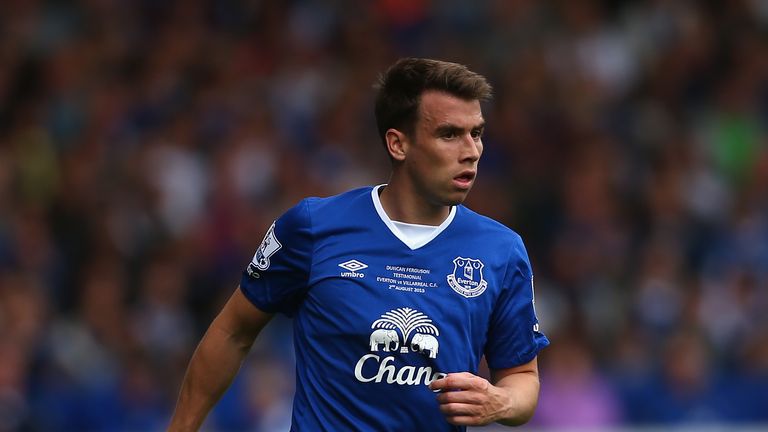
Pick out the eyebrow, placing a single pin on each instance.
(445, 128)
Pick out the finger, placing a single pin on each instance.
(439, 384)
(464, 420)
(459, 409)
(455, 381)
(462, 396)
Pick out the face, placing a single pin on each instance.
(440, 157)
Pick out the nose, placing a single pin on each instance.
(471, 150)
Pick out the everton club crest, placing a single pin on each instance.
(467, 277)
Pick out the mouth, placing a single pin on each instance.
(464, 179)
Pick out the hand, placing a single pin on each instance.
(469, 400)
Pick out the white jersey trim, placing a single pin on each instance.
(413, 242)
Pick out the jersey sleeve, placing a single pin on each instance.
(514, 337)
(276, 280)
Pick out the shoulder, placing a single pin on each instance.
(350, 196)
(312, 216)
(493, 234)
(483, 225)
(336, 207)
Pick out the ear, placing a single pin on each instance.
(397, 144)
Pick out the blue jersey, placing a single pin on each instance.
(376, 320)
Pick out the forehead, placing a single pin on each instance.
(438, 108)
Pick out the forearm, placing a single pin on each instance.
(470, 400)
(211, 370)
(520, 392)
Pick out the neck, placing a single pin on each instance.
(403, 204)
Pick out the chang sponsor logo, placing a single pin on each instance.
(402, 330)
(386, 372)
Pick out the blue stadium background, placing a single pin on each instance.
(146, 145)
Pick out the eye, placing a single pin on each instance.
(477, 133)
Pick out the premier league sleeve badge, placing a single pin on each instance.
(268, 247)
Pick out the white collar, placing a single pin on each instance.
(411, 243)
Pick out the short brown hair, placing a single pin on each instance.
(401, 86)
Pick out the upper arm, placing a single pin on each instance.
(240, 319)
(530, 368)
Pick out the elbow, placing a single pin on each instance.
(518, 420)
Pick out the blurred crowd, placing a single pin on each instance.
(146, 145)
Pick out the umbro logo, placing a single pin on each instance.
(354, 267)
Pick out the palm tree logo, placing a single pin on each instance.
(406, 320)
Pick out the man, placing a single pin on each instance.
(396, 291)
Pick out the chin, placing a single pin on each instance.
(455, 199)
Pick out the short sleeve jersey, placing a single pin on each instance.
(376, 320)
